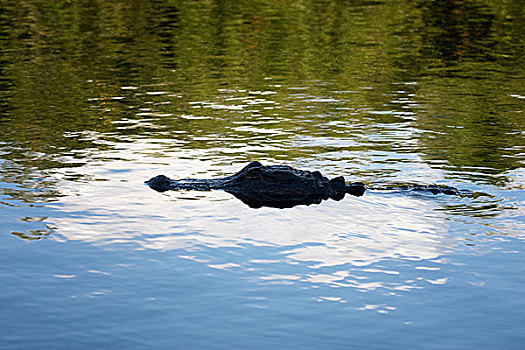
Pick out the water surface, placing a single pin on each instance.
(97, 96)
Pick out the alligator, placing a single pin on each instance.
(280, 186)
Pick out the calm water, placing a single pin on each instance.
(98, 96)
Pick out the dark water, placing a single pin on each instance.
(98, 96)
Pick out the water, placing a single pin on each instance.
(97, 97)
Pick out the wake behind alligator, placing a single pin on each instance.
(281, 186)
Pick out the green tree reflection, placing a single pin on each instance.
(64, 66)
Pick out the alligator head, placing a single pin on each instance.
(277, 186)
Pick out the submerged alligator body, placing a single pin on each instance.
(280, 186)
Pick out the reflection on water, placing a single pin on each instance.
(358, 231)
(96, 97)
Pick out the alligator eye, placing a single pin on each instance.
(252, 174)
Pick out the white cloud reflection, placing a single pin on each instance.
(356, 231)
(351, 234)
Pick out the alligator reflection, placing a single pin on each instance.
(281, 186)
(277, 186)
